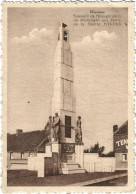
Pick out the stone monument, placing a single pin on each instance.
(70, 145)
(63, 153)
(63, 101)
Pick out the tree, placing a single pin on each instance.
(95, 149)
(109, 154)
(86, 151)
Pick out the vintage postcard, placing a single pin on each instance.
(68, 97)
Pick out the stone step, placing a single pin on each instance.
(73, 171)
(71, 168)
(70, 165)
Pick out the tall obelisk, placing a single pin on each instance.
(63, 101)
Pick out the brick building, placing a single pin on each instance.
(120, 142)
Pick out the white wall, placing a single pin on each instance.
(94, 163)
(37, 163)
(32, 163)
(19, 167)
(105, 164)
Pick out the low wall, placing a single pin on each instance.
(94, 163)
(18, 167)
(18, 164)
(36, 163)
(32, 163)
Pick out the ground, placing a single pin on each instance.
(114, 182)
(29, 178)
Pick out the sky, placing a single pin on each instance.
(99, 55)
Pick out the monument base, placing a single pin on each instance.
(79, 154)
(72, 163)
(71, 168)
(67, 157)
(56, 161)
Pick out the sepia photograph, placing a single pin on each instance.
(67, 96)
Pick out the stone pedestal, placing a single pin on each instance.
(56, 147)
(79, 154)
(48, 149)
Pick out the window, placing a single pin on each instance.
(58, 36)
(65, 35)
(30, 154)
(124, 157)
(11, 156)
(22, 155)
(67, 126)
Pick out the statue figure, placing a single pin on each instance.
(79, 122)
(56, 126)
(79, 131)
(48, 128)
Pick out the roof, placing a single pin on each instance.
(27, 141)
(123, 129)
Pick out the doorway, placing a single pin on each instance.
(51, 165)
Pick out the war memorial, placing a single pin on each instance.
(62, 145)
(62, 126)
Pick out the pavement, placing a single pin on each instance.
(29, 178)
(90, 182)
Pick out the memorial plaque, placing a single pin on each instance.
(68, 147)
(67, 126)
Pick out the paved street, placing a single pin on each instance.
(115, 182)
(29, 178)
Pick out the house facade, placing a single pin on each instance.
(120, 142)
(22, 145)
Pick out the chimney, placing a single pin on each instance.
(115, 128)
(19, 131)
